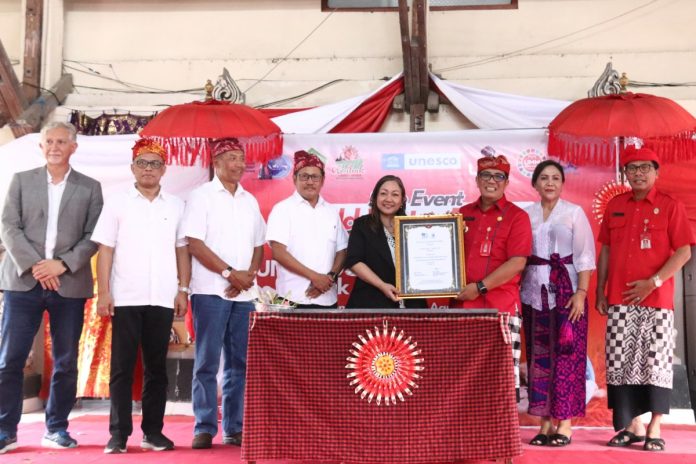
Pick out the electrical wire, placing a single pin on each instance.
(43, 90)
(140, 92)
(281, 61)
(520, 51)
(309, 92)
(658, 84)
(130, 85)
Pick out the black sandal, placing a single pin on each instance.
(625, 438)
(558, 440)
(654, 444)
(540, 440)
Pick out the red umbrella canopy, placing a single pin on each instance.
(186, 130)
(585, 132)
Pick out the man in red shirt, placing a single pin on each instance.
(645, 239)
(497, 242)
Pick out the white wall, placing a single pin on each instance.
(546, 48)
(11, 20)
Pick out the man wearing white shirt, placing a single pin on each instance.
(143, 273)
(307, 238)
(225, 232)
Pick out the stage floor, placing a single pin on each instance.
(89, 425)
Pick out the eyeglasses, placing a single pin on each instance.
(144, 164)
(486, 176)
(644, 168)
(232, 156)
(313, 177)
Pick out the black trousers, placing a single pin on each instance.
(149, 327)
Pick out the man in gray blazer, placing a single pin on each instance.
(47, 223)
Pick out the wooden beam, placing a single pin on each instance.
(405, 51)
(33, 117)
(12, 101)
(421, 36)
(32, 48)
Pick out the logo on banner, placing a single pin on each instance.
(421, 161)
(348, 164)
(528, 160)
(276, 168)
(384, 366)
(392, 161)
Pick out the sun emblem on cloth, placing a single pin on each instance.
(384, 366)
(602, 197)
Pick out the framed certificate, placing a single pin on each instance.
(429, 255)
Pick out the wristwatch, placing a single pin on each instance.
(333, 275)
(226, 273)
(657, 281)
(186, 290)
(481, 287)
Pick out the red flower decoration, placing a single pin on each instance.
(604, 195)
(384, 366)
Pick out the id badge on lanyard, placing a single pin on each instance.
(487, 243)
(645, 238)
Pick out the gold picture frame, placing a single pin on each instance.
(429, 256)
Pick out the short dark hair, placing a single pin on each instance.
(543, 165)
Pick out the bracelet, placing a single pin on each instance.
(581, 290)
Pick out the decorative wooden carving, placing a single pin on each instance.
(607, 84)
(227, 89)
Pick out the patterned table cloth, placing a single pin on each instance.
(379, 388)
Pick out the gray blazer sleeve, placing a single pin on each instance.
(12, 232)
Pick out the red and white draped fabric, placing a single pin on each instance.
(365, 113)
(497, 110)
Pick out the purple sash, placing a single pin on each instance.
(560, 284)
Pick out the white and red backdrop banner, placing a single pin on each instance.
(438, 170)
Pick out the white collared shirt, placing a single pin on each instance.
(144, 235)
(230, 225)
(312, 236)
(55, 195)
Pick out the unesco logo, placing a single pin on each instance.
(393, 161)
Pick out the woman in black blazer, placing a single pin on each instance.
(371, 249)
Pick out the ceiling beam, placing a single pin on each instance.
(34, 116)
(415, 57)
(12, 100)
(32, 48)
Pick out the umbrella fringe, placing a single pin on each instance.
(681, 147)
(194, 151)
(585, 151)
(595, 151)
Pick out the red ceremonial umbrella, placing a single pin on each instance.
(186, 130)
(586, 131)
